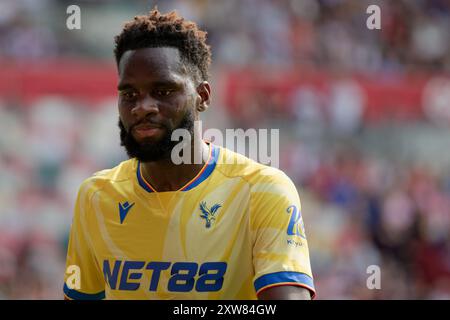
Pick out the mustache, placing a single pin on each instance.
(149, 122)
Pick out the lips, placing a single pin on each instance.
(147, 130)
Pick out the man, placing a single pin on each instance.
(223, 228)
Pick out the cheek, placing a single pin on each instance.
(177, 107)
(178, 110)
(190, 103)
(124, 116)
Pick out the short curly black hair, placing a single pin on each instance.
(167, 30)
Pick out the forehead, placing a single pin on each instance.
(151, 64)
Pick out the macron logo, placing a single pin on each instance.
(123, 210)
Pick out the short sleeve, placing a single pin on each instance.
(280, 247)
(83, 279)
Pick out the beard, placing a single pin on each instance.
(147, 151)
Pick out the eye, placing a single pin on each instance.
(164, 92)
(128, 94)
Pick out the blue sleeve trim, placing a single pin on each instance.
(76, 295)
(283, 277)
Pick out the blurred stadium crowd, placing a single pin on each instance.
(373, 192)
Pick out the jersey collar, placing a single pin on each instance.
(203, 174)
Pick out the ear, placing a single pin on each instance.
(204, 92)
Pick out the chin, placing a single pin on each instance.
(148, 141)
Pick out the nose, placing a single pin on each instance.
(145, 106)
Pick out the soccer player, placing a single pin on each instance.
(226, 227)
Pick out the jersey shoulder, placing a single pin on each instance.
(232, 164)
(121, 172)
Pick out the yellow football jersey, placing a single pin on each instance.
(231, 232)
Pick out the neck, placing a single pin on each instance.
(164, 175)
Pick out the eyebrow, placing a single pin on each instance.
(162, 83)
(124, 86)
